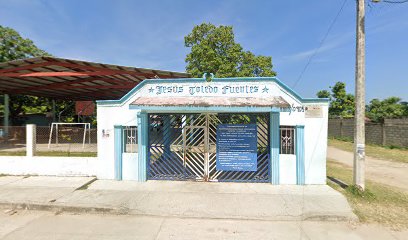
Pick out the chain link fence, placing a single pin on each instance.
(13, 140)
(66, 140)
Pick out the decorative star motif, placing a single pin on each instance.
(151, 89)
(265, 90)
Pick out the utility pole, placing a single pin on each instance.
(359, 116)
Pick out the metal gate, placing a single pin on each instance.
(183, 147)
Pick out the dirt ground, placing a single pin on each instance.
(382, 171)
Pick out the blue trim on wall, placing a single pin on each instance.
(194, 80)
(300, 155)
(142, 135)
(118, 150)
(274, 145)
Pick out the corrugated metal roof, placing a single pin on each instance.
(274, 101)
(72, 79)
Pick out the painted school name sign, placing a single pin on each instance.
(193, 90)
(226, 89)
(211, 89)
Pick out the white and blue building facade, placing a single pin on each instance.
(227, 129)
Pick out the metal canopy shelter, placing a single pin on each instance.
(67, 79)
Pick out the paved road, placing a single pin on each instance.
(30, 225)
(383, 171)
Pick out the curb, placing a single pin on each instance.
(59, 208)
(130, 212)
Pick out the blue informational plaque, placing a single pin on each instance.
(236, 147)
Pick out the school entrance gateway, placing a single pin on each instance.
(222, 130)
(209, 147)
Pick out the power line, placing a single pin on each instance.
(321, 43)
(397, 2)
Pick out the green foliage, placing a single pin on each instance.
(323, 94)
(214, 50)
(405, 104)
(341, 102)
(342, 105)
(391, 107)
(357, 192)
(14, 47)
(27, 104)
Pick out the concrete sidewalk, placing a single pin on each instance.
(175, 199)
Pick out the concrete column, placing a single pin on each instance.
(300, 155)
(359, 116)
(6, 115)
(118, 149)
(274, 146)
(383, 140)
(31, 140)
(142, 135)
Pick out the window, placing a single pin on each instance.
(130, 139)
(287, 140)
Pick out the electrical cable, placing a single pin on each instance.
(321, 43)
(396, 2)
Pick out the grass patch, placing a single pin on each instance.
(380, 203)
(12, 153)
(50, 154)
(66, 154)
(388, 153)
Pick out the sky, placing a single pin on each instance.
(150, 34)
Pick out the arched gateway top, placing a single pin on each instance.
(221, 94)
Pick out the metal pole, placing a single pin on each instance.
(6, 115)
(54, 118)
(359, 122)
(84, 139)
(89, 133)
(49, 140)
(56, 134)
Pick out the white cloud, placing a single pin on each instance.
(330, 44)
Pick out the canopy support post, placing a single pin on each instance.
(53, 111)
(6, 115)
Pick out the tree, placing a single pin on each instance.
(14, 47)
(214, 50)
(405, 104)
(323, 94)
(391, 107)
(341, 102)
(342, 105)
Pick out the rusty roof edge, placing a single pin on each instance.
(48, 59)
